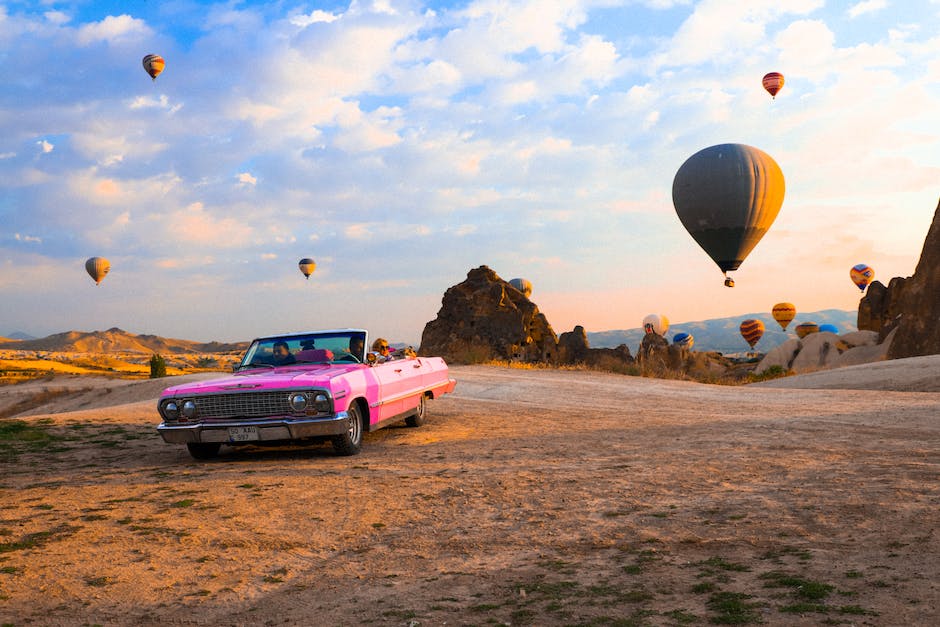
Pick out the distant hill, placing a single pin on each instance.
(723, 334)
(117, 340)
(19, 335)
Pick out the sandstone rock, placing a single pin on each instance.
(817, 351)
(781, 355)
(485, 318)
(865, 353)
(573, 346)
(918, 304)
(860, 338)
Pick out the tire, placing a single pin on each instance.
(350, 442)
(203, 450)
(418, 419)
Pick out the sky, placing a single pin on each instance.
(402, 144)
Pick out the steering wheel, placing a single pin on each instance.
(348, 357)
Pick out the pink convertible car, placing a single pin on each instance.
(299, 388)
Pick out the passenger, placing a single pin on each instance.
(381, 349)
(281, 355)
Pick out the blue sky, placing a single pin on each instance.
(401, 144)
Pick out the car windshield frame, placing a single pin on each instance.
(301, 347)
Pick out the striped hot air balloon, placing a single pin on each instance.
(773, 82)
(805, 328)
(307, 266)
(752, 331)
(97, 268)
(784, 313)
(154, 64)
(861, 275)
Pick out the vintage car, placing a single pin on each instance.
(300, 388)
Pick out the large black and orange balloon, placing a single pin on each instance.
(806, 328)
(97, 268)
(752, 331)
(154, 64)
(726, 197)
(773, 82)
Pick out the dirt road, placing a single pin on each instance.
(532, 497)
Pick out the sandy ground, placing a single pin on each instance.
(531, 497)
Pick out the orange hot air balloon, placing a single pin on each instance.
(861, 275)
(752, 331)
(154, 64)
(773, 82)
(97, 268)
(784, 313)
(805, 328)
(307, 266)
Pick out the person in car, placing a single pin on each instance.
(281, 355)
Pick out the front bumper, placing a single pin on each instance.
(278, 430)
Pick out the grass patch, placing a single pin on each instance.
(802, 588)
(37, 539)
(183, 503)
(732, 608)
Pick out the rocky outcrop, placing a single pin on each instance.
(878, 310)
(485, 318)
(918, 303)
(820, 351)
(573, 346)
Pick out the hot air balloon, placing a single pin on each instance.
(655, 323)
(784, 313)
(307, 266)
(861, 275)
(752, 331)
(523, 285)
(828, 328)
(773, 82)
(97, 268)
(154, 64)
(727, 196)
(805, 328)
(685, 340)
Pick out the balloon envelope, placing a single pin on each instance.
(154, 64)
(726, 197)
(752, 331)
(861, 275)
(685, 340)
(773, 82)
(307, 266)
(523, 285)
(828, 328)
(97, 268)
(656, 323)
(805, 328)
(784, 313)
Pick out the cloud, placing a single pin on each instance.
(113, 29)
(245, 178)
(27, 238)
(314, 17)
(868, 6)
(45, 146)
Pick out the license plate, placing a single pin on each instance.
(242, 434)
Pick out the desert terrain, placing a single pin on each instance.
(531, 497)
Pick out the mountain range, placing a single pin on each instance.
(723, 334)
(117, 340)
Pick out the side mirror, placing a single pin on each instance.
(371, 358)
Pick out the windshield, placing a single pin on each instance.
(317, 348)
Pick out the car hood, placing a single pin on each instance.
(266, 379)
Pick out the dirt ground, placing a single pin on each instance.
(531, 497)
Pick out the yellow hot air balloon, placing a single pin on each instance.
(523, 285)
(861, 275)
(752, 331)
(97, 268)
(805, 328)
(726, 197)
(307, 266)
(656, 323)
(784, 313)
(154, 64)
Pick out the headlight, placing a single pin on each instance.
(189, 409)
(298, 402)
(171, 410)
(321, 403)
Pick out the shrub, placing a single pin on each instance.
(157, 366)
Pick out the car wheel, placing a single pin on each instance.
(416, 420)
(203, 450)
(350, 442)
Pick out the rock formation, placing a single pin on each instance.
(818, 351)
(918, 303)
(485, 318)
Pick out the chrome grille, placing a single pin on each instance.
(243, 405)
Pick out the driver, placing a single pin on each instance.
(281, 355)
